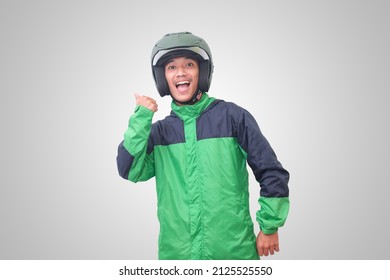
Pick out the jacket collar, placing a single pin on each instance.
(192, 111)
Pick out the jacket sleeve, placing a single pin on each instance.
(135, 158)
(272, 177)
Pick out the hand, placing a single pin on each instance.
(146, 101)
(267, 243)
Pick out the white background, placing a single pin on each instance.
(315, 74)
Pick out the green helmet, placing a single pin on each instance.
(181, 44)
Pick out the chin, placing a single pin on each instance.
(182, 98)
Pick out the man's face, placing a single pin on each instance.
(182, 75)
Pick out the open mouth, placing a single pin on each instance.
(182, 86)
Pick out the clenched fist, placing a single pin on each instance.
(267, 243)
(146, 101)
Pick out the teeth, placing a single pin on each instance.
(182, 83)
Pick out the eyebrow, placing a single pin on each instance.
(186, 57)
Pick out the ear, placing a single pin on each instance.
(161, 81)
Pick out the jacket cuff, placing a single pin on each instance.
(142, 110)
(268, 230)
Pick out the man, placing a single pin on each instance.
(198, 156)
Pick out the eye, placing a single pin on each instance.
(171, 67)
(190, 64)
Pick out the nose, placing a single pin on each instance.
(180, 71)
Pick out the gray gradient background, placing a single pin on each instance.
(315, 74)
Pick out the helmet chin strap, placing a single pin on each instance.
(195, 98)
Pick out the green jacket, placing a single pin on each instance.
(198, 155)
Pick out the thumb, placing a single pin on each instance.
(137, 97)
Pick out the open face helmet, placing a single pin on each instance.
(177, 45)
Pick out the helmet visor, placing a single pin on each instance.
(196, 50)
